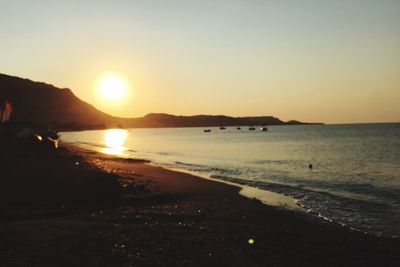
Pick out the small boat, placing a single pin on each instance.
(222, 128)
(238, 128)
(252, 128)
(207, 130)
(264, 129)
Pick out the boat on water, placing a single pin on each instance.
(264, 129)
(238, 128)
(252, 128)
(222, 128)
(207, 130)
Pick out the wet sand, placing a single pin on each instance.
(74, 207)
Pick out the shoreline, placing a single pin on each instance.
(271, 199)
(157, 217)
(266, 197)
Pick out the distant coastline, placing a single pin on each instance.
(60, 109)
(161, 120)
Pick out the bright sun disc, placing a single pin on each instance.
(112, 88)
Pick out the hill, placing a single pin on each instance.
(166, 120)
(41, 103)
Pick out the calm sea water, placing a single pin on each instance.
(355, 179)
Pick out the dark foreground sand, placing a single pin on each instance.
(74, 207)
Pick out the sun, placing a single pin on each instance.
(112, 87)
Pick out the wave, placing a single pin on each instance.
(356, 214)
(361, 191)
(190, 164)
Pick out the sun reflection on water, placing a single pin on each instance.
(114, 140)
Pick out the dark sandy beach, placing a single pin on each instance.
(73, 207)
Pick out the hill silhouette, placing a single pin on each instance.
(45, 104)
(41, 103)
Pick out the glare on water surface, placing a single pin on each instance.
(114, 140)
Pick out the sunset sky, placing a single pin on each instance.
(316, 60)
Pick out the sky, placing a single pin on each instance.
(312, 60)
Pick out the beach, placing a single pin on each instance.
(75, 207)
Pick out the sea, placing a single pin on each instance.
(354, 180)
